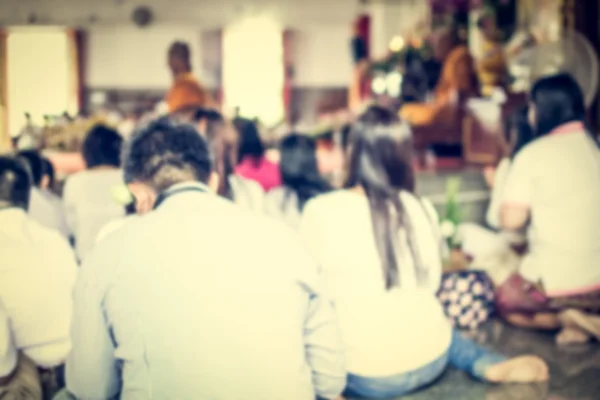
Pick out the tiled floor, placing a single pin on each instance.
(575, 372)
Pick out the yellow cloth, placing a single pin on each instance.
(187, 92)
(458, 76)
(492, 67)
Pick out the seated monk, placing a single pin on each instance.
(186, 92)
(492, 68)
(458, 78)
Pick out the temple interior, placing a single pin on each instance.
(456, 72)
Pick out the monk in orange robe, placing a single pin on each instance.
(186, 93)
(458, 79)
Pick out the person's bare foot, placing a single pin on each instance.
(571, 335)
(587, 323)
(524, 369)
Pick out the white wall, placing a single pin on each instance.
(322, 55)
(124, 56)
(128, 57)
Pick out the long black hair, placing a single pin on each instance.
(250, 143)
(381, 163)
(558, 99)
(299, 169)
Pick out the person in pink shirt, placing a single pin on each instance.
(252, 163)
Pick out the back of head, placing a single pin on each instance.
(35, 164)
(299, 168)
(381, 163)
(15, 183)
(102, 147)
(557, 100)
(165, 153)
(250, 143)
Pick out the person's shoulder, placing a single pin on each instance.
(47, 240)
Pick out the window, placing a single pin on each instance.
(41, 73)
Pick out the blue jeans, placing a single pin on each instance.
(463, 354)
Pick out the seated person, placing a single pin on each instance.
(44, 207)
(186, 93)
(458, 79)
(492, 68)
(553, 190)
(191, 301)
(301, 179)
(252, 162)
(496, 251)
(379, 247)
(37, 273)
(87, 195)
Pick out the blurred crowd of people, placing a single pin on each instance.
(184, 263)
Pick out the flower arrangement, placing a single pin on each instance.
(452, 214)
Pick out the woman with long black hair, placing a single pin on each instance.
(378, 245)
(553, 192)
(301, 179)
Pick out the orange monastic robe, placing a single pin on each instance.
(187, 92)
(458, 78)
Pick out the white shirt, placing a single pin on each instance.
(37, 273)
(89, 205)
(282, 203)
(558, 178)
(46, 208)
(386, 332)
(205, 300)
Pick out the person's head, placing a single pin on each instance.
(35, 165)
(299, 168)
(222, 141)
(250, 143)
(487, 25)
(15, 183)
(179, 58)
(166, 153)
(519, 131)
(554, 101)
(444, 40)
(380, 162)
(49, 179)
(102, 147)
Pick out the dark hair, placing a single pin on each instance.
(15, 183)
(519, 131)
(223, 147)
(250, 144)
(165, 153)
(299, 169)
(381, 163)
(35, 165)
(558, 99)
(102, 147)
(49, 172)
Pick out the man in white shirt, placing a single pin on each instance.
(44, 206)
(199, 298)
(37, 274)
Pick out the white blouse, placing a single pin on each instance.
(386, 332)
